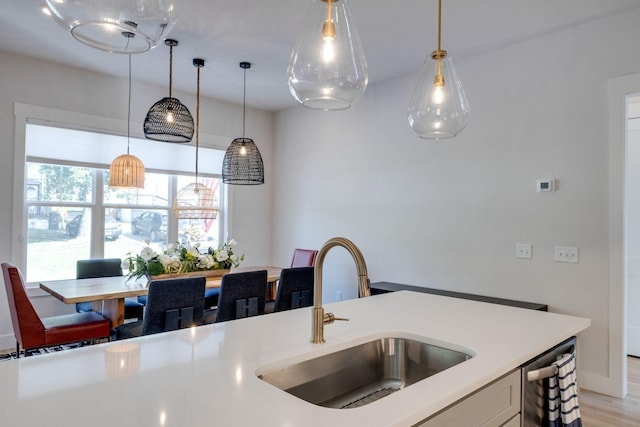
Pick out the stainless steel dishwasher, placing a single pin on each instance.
(534, 391)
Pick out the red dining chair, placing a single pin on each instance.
(33, 331)
(303, 258)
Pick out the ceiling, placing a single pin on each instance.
(396, 35)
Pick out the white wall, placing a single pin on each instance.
(30, 81)
(448, 214)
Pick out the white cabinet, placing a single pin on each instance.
(495, 405)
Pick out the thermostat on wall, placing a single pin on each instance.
(544, 185)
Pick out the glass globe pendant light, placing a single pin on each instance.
(196, 200)
(439, 107)
(127, 171)
(168, 120)
(328, 69)
(242, 163)
(99, 23)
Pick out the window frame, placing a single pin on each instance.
(25, 114)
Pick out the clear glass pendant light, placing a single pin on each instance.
(100, 23)
(328, 69)
(439, 107)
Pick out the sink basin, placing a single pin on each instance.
(364, 373)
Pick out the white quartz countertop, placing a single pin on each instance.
(206, 376)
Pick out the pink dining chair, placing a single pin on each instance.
(303, 258)
(33, 331)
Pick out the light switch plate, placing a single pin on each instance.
(524, 250)
(566, 254)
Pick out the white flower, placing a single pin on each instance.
(194, 251)
(206, 261)
(126, 264)
(232, 242)
(235, 259)
(166, 259)
(222, 255)
(148, 253)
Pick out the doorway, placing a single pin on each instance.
(632, 223)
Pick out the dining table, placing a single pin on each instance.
(107, 294)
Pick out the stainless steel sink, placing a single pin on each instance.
(362, 374)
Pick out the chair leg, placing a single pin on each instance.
(17, 349)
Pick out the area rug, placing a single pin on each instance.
(35, 352)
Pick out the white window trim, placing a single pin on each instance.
(26, 113)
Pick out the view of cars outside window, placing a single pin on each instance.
(63, 218)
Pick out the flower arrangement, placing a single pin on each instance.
(180, 258)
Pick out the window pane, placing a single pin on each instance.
(59, 183)
(155, 192)
(135, 227)
(56, 237)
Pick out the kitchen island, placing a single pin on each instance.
(206, 376)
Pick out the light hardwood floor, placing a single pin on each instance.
(598, 410)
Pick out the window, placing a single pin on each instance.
(71, 213)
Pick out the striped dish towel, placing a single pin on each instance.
(562, 399)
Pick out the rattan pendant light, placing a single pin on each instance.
(169, 120)
(196, 200)
(242, 164)
(127, 171)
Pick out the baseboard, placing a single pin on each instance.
(7, 343)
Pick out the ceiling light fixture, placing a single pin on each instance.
(196, 200)
(168, 120)
(328, 69)
(242, 163)
(99, 23)
(127, 171)
(438, 108)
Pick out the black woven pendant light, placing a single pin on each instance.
(169, 120)
(242, 164)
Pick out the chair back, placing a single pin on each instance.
(242, 295)
(303, 258)
(98, 267)
(295, 289)
(27, 325)
(174, 304)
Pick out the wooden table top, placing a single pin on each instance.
(103, 288)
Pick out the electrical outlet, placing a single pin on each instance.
(338, 296)
(524, 250)
(566, 254)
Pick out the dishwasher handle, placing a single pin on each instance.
(542, 373)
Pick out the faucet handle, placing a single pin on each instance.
(330, 318)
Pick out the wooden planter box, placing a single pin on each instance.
(205, 273)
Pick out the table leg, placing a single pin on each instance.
(272, 290)
(113, 309)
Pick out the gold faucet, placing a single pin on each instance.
(318, 316)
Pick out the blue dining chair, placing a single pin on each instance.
(295, 289)
(171, 304)
(241, 295)
(106, 267)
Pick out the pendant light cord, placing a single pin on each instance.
(244, 101)
(197, 120)
(170, 67)
(439, 22)
(129, 107)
